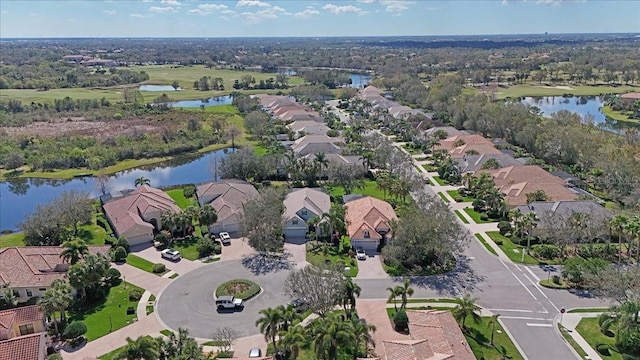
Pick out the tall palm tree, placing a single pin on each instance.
(142, 181)
(335, 217)
(168, 220)
(401, 188)
(493, 198)
(207, 215)
(321, 162)
(383, 183)
(62, 294)
(74, 250)
(330, 334)
(466, 307)
(393, 295)
(516, 218)
(405, 292)
(468, 179)
(288, 316)
(363, 333)
(48, 306)
(269, 324)
(618, 224)
(493, 322)
(351, 292)
(633, 233)
(291, 340)
(142, 348)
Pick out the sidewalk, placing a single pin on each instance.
(410, 305)
(570, 321)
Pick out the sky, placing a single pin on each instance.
(264, 18)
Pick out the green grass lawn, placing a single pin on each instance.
(513, 251)
(486, 244)
(92, 234)
(476, 216)
(316, 256)
(618, 115)
(370, 188)
(589, 329)
(588, 310)
(14, 239)
(440, 181)
(419, 168)
(178, 196)
(187, 248)
(454, 194)
(429, 168)
(444, 197)
(260, 150)
(108, 315)
(461, 217)
(140, 263)
(537, 90)
(411, 150)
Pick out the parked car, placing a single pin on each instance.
(225, 238)
(361, 254)
(228, 302)
(300, 305)
(255, 353)
(170, 254)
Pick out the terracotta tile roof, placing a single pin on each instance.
(442, 333)
(315, 200)
(228, 196)
(35, 265)
(409, 350)
(517, 181)
(471, 142)
(125, 212)
(482, 149)
(367, 213)
(633, 95)
(28, 347)
(309, 127)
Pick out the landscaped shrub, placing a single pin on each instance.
(122, 241)
(162, 238)
(458, 199)
(504, 227)
(547, 252)
(484, 217)
(189, 191)
(401, 321)
(54, 356)
(205, 246)
(603, 349)
(74, 330)
(113, 277)
(556, 279)
(575, 268)
(119, 254)
(628, 340)
(217, 249)
(135, 295)
(478, 205)
(117, 116)
(159, 268)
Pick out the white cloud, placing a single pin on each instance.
(307, 13)
(252, 3)
(366, 1)
(171, 2)
(147, 0)
(139, 16)
(335, 9)
(158, 9)
(395, 6)
(205, 9)
(227, 12)
(109, 12)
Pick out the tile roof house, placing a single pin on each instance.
(30, 270)
(27, 347)
(459, 145)
(312, 144)
(227, 197)
(435, 336)
(298, 114)
(450, 130)
(301, 205)
(137, 214)
(22, 333)
(517, 181)
(309, 127)
(473, 163)
(555, 216)
(367, 220)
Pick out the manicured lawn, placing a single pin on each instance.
(461, 217)
(588, 310)
(411, 150)
(454, 194)
(332, 255)
(166, 332)
(572, 342)
(260, 150)
(476, 216)
(109, 315)
(187, 248)
(589, 329)
(429, 168)
(178, 196)
(370, 188)
(536, 90)
(14, 239)
(419, 168)
(486, 245)
(513, 251)
(440, 181)
(444, 197)
(140, 263)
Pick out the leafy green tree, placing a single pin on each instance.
(207, 215)
(261, 222)
(74, 330)
(9, 297)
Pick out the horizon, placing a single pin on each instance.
(310, 19)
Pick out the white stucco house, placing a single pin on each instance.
(300, 206)
(137, 214)
(227, 197)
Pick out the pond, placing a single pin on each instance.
(19, 197)
(214, 101)
(583, 105)
(359, 81)
(162, 88)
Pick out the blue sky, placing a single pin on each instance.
(249, 18)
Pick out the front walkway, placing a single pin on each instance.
(570, 322)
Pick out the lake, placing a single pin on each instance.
(359, 81)
(157, 88)
(583, 105)
(214, 101)
(19, 197)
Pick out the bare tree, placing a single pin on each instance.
(225, 337)
(262, 221)
(318, 286)
(616, 283)
(103, 183)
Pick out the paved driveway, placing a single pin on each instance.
(150, 253)
(238, 249)
(371, 268)
(188, 301)
(151, 282)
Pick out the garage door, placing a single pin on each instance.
(139, 239)
(295, 233)
(368, 245)
(231, 228)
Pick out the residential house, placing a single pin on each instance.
(450, 130)
(517, 181)
(299, 114)
(300, 206)
(30, 270)
(473, 163)
(460, 145)
(631, 97)
(435, 335)
(555, 216)
(337, 159)
(137, 215)
(22, 334)
(308, 127)
(227, 197)
(312, 144)
(368, 221)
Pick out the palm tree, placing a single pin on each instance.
(529, 222)
(142, 348)
(466, 307)
(321, 162)
(74, 250)
(330, 334)
(269, 324)
(351, 292)
(168, 220)
(493, 321)
(47, 304)
(618, 224)
(401, 188)
(493, 198)
(142, 181)
(393, 294)
(288, 316)
(207, 215)
(62, 294)
(363, 334)
(405, 292)
(383, 183)
(516, 218)
(335, 217)
(291, 340)
(468, 179)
